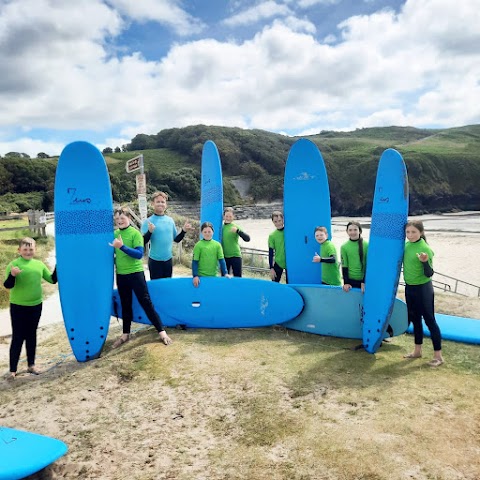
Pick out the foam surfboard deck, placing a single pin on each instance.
(83, 230)
(457, 329)
(211, 197)
(218, 302)
(385, 247)
(332, 312)
(23, 453)
(306, 203)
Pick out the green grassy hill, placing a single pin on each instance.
(443, 167)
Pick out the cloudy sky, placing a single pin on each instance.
(105, 70)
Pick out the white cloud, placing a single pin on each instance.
(262, 11)
(166, 12)
(384, 68)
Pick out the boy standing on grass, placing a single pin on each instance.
(276, 248)
(24, 280)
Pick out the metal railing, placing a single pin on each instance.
(257, 261)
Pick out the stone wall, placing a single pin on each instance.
(192, 210)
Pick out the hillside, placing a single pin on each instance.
(443, 166)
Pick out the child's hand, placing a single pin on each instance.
(273, 275)
(196, 281)
(347, 287)
(423, 257)
(227, 275)
(316, 258)
(187, 227)
(234, 229)
(15, 271)
(117, 242)
(151, 226)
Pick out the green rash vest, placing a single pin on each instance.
(230, 245)
(412, 266)
(276, 241)
(208, 253)
(330, 271)
(28, 283)
(351, 259)
(125, 263)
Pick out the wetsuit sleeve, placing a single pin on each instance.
(244, 236)
(54, 275)
(330, 259)
(427, 269)
(9, 282)
(270, 257)
(195, 268)
(346, 278)
(133, 252)
(146, 237)
(180, 236)
(223, 266)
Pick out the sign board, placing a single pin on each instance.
(142, 206)
(135, 163)
(141, 181)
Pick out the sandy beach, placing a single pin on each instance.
(455, 239)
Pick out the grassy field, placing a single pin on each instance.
(260, 404)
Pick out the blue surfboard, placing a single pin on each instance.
(306, 204)
(83, 230)
(332, 312)
(23, 453)
(218, 302)
(457, 329)
(211, 197)
(385, 247)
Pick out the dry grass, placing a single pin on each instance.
(260, 404)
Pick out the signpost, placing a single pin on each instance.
(132, 165)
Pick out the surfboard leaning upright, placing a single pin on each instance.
(306, 204)
(385, 247)
(211, 197)
(83, 229)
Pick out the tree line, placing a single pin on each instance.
(443, 167)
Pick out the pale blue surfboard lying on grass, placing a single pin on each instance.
(83, 230)
(385, 247)
(332, 312)
(211, 197)
(218, 302)
(457, 329)
(306, 204)
(23, 453)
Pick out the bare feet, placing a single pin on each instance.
(120, 341)
(165, 338)
(413, 355)
(34, 370)
(11, 376)
(436, 362)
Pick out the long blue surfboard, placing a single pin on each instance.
(218, 302)
(306, 204)
(83, 229)
(211, 196)
(457, 329)
(385, 247)
(24, 453)
(332, 312)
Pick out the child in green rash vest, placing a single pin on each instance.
(128, 244)
(207, 253)
(354, 258)
(24, 280)
(276, 248)
(417, 273)
(231, 248)
(327, 256)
